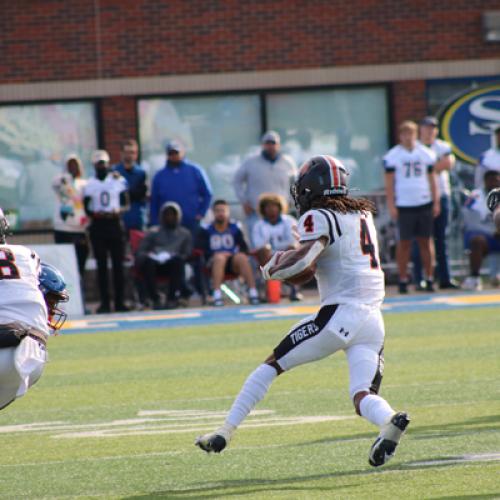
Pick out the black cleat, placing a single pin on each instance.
(215, 441)
(384, 447)
(211, 443)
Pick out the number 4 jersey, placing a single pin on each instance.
(20, 297)
(348, 270)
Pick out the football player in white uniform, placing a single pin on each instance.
(338, 241)
(29, 296)
(106, 197)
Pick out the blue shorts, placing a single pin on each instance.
(493, 243)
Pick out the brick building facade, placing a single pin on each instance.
(118, 50)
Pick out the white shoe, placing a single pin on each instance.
(384, 447)
(473, 283)
(215, 441)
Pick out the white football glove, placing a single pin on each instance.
(271, 263)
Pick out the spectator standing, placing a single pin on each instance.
(274, 231)
(164, 252)
(70, 219)
(183, 182)
(268, 171)
(489, 160)
(481, 237)
(105, 199)
(135, 176)
(428, 133)
(412, 200)
(225, 251)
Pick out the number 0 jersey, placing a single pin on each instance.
(20, 297)
(105, 194)
(348, 270)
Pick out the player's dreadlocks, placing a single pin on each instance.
(344, 204)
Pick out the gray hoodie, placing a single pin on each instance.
(176, 241)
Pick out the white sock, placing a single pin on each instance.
(252, 293)
(217, 294)
(376, 409)
(253, 390)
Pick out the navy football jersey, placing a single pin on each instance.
(231, 240)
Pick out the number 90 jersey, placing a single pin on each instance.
(20, 297)
(348, 270)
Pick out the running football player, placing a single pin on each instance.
(338, 240)
(30, 293)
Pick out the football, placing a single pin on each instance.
(303, 277)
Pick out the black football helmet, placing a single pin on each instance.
(319, 176)
(4, 228)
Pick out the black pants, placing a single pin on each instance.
(173, 269)
(79, 240)
(107, 237)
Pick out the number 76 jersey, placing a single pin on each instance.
(348, 270)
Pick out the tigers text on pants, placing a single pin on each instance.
(358, 330)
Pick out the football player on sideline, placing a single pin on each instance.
(493, 202)
(338, 239)
(30, 293)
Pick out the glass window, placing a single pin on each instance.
(351, 124)
(34, 142)
(217, 131)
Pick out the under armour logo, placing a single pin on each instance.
(343, 332)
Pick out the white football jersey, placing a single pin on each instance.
(411, 183)
(105, 194)
(280, 235)
(442, 148)
(20, 297)
(348, 270)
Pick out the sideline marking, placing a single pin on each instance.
(210, 316)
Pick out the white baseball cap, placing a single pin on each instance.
(271, 136)
(100, 155)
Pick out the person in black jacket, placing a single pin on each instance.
(163, 252)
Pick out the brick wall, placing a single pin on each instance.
(408, 103)
(118, 120)
(71, 39)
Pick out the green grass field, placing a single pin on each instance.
(116, 414)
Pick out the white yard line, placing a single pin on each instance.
(482, 457)
(188, 427)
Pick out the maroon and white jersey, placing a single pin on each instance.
(20, 297)
(348, 270)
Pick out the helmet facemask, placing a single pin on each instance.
(57, 317)
(4, 228)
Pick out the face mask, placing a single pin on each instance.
(101, 173)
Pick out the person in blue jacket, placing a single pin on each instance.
(136, 180)
(184, 183)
